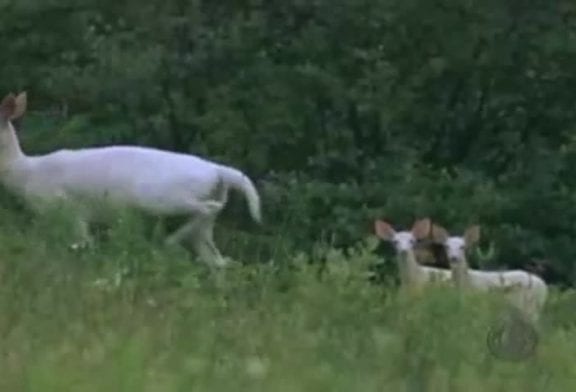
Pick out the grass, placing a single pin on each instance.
(76, 322)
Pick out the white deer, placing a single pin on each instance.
(407, 245)
(526, 291)
(92, 182)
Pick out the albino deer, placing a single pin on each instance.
(94, 181)
(412, 274)
(526, 291)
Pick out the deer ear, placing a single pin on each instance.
(472, 235)
(21, 101)
(384, 230)
(421, 228)
(7, 107)
(439, 234)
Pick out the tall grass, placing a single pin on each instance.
(131, 315)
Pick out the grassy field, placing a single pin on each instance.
(132, 316)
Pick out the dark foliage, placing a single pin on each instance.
(343, 110)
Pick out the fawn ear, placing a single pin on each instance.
(439, 234)
(384, 230)
(21, 101)
(7, 107)
(472, 235)
(421, 228)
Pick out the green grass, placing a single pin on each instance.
(171, 325)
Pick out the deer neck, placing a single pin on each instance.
(410, 271)
(460, 273)
(10, 151)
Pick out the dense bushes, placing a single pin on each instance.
(343, 110)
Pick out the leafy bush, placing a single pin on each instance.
(343, 110)
(139, 318)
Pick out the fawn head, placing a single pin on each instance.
(456, 246)
(403, 241)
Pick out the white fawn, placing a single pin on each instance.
(93, 181)
(412, 274)
(526, 291)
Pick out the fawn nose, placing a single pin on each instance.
(452, 259)
(403, 251)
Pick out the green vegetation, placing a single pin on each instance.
(343, 111)
(131, 317)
